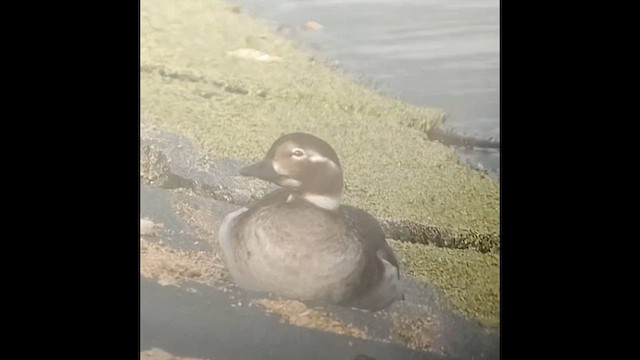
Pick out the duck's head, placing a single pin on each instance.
(304, 164)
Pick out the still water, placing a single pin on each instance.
(435, 53)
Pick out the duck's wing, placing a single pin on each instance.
(380, 282)
(370, 234)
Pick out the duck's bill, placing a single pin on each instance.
(262, 170)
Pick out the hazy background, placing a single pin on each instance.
(435, 53)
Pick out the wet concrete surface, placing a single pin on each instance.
(204, 325)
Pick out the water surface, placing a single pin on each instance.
(434, 53)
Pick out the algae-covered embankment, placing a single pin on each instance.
(228, 83)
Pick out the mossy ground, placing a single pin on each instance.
(471, 280)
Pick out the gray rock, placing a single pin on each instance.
(171, 161)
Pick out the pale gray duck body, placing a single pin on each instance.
(299, 242)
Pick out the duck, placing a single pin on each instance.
(300, 242)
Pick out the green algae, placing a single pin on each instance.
(391, 169)
(471, 280)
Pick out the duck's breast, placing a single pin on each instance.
(305, 252)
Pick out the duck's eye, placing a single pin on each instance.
(297, 153)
